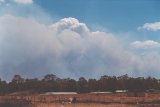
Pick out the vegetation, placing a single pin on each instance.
(52, 83)
(16, 104)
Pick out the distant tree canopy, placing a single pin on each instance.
(51, 82)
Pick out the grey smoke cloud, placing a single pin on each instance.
(66, 48)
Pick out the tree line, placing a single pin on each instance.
(51, 83)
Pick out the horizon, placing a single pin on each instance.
(79, 38)
(20, 77)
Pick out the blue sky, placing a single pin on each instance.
(109, 15)
(73, 38)
(116, 15)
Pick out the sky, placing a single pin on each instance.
(74, 38)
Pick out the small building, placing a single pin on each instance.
(121, 91)
(153, 90)
(101, 93)
(107, 92)
(59, 93)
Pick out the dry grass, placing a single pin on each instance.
(83, 105)
(88, 100)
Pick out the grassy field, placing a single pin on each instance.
(76, 105)
(82, 100)
(84, 105)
